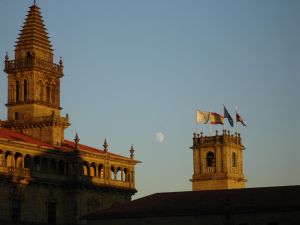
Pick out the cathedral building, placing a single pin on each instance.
(45, 179)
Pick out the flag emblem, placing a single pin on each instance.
(202, 116)
(240, 119)
(215, 118)
(227, 115)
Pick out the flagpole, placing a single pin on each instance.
(196, 120)
(223, 116)
(210, 126)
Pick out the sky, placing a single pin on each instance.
(135, 68)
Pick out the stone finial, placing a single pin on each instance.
(201, 133)
(132, 152)
(105, 146)
(6, 57)
(76, 140)
(61, 61)
(217, 133)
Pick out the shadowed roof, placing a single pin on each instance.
(195, 203)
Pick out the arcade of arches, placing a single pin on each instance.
(48, 165)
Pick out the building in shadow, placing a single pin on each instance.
(247, 206)
(45, 179)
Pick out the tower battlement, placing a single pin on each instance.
(218, 161)
(225, 138)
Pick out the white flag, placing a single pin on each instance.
(202, 116)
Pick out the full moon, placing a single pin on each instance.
(160, 137)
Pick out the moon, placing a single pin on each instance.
(160, 137)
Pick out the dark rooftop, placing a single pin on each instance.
(206, 202)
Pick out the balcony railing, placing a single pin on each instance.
(33, 61)
(209, 170)
(37, 120)
(36, 175)
(15, 171)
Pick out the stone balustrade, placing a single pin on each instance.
(11, 65)
(15, 171)
(224, 138)
(56, 178)
(36, 120)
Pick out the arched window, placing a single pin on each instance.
(233, 159)
(53, 94)
(28, 55)
(44, 165)
(51, 212)
(9, 159)
(36, 164)
(61, 167)
(41, 91)
(17, 91)
(25, 90)
(18, 160)
(15, 204)
(210, 159)
(27, 163)
(52, 167)
(47, 93)
(101, 171)
(85, 169)
(93, 170)
(113, 173)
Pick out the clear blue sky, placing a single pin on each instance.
(136, 67)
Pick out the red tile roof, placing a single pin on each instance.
(195, 203)
(16, 136)
(67, 145)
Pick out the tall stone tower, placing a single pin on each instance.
(34, 84)
(218, 162)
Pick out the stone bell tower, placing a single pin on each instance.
(33, 106)
(218, 162)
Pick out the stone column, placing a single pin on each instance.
(122, 175)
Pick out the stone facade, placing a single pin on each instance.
(218, 162)
(45, 179)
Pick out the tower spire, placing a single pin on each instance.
(33, 39)
(33, 106)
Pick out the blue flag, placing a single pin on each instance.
(227, 115)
